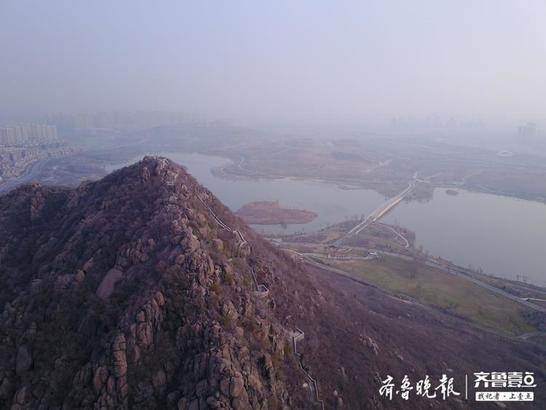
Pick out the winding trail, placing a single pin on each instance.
(262, 291)
(313, 385)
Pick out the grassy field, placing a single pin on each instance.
(435, 287)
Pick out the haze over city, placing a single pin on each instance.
(281, 62)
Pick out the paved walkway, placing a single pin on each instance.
(262, 291)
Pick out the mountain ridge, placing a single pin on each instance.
(142, 290)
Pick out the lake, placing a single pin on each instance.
(503, 236)
(331, 203)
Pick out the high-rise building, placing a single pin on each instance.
(528, 130)
(28, 134)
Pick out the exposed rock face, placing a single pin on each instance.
(132, 306)
(107, 284)
(23, 361)
(127, 293)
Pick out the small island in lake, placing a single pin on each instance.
(452, 192)
(271, 213)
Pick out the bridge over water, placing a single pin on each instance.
(379, 212)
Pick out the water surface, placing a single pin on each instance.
(331, 203)
(503, 236)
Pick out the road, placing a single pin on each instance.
(464, 273)
(340, 258)
(399, 235)
(306, 259)
(430, 261)
(530, 335)
(360, 248)
(31, 174)
(537, 299)
(379, 212)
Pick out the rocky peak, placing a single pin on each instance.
(136, 296)
(143, 291)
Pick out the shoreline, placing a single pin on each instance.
(271, 213)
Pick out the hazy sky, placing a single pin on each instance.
(277, 61)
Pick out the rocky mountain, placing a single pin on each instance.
(143, 291)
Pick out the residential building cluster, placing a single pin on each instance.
(28, 134)
(118, 120)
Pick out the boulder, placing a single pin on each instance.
(237, 385)
(23, 361)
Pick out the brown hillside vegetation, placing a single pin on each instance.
(129, 292)
(271, 213)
